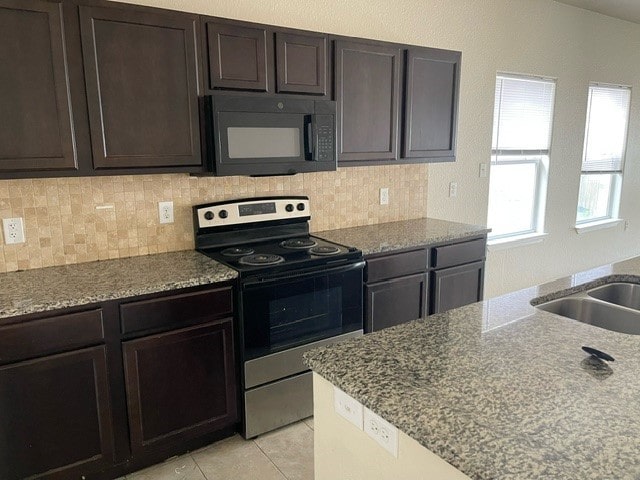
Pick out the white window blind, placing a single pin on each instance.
(606, 132)
(523, 116)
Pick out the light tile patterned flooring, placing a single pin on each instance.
(284, 454)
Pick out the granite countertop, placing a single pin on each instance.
(385, 237)
(502, 390)
(51, 288)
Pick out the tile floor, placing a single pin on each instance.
(284, 454)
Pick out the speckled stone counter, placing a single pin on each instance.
(502, 390)
(385, 237)
(43, 289)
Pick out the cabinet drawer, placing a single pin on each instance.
(396, 265)
(50, 335)
(459, 253)
(188, 308)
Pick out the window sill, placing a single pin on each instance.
(519, 241)
(600, 225)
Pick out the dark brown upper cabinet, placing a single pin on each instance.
(142, 87)
(367, 83)
(238, 57)
(36, 110)
(301, 63)
(431, 104)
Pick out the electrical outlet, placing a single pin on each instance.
(483, 170)
(13, 230)
(381, 431)
(453, 189)
(347, 407)
(165, 211)
(384, 196)
(626, 225)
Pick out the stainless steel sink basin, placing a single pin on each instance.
(596, 313)
(625, 294)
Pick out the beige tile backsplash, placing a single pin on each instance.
(74, 220)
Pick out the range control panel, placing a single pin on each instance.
(237, 212)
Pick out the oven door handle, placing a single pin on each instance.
(269, 279)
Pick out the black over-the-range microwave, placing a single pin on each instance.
(269, 135)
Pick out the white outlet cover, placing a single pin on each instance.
(381, 431)
(165, 212)
(347, 407)
(384, 196)
(13, 230)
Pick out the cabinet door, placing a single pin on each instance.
(367, 93)
(142, 87)
(301, 63)
(180, 384)
(238, 57)
(55, 416)
(395, 301)
(36, 120)
(431, 108)
(457, 286)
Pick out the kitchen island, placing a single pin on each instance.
(493, 390)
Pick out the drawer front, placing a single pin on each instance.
(396, 265)
(459, 253)
(185, 309)
(50, 335)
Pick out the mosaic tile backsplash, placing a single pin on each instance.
(75, 220)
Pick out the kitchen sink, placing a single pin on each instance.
(598, 314)
(625, 294)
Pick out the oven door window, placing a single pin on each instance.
(245, 137)
(292, 312)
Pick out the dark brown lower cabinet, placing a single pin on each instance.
(406, 285)
(180, 384)
(55, 416)
(395, 301)
(457, 286)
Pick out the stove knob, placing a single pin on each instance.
(223, 214)
(300, 206)
(208, 215)
(289, 207)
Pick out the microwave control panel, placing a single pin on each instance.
(325, 133)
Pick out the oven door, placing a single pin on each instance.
(285, 311)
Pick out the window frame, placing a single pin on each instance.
(540, 158)
(617, 176)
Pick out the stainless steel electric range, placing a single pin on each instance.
(296, 292)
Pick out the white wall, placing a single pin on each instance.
(524, 36)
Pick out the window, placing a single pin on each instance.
(605, 138)
(522, 122)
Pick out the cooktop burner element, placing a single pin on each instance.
(324, 250)
(261, 259)
(237, 251)
(298, 243)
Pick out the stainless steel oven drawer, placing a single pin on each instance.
(277, 404)
(286, 363)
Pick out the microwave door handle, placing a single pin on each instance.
(309, 142)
